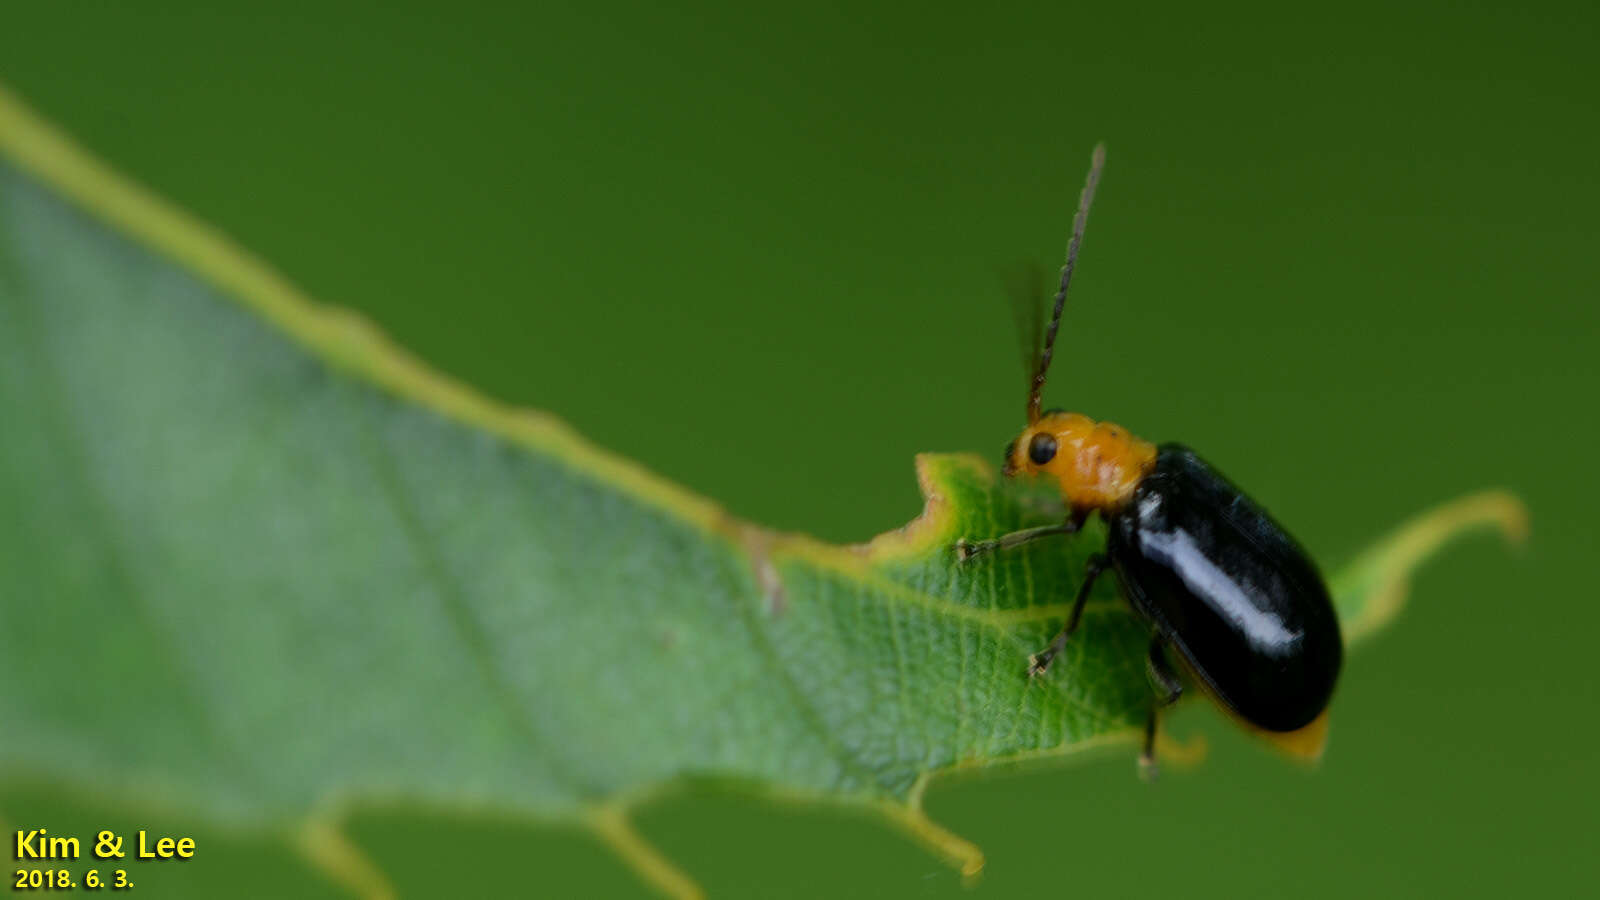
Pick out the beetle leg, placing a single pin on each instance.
(1148, 770)
(966, 549)
(1168, 687)
(1168, 690)
(1040, 661)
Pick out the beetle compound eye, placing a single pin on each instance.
(1042, 448)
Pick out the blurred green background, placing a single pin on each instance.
(1347, 251)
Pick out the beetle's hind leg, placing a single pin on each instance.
(1166, 682)
(1039, 662)
(1168, 689)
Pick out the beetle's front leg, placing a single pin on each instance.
(966, 549)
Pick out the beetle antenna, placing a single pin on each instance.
(1079, 221)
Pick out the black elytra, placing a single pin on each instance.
(1231, 591)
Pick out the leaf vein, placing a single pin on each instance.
(465, 622)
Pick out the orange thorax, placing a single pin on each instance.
(1098, 464)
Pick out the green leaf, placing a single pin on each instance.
(336, 578)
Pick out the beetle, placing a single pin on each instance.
(1217, 578)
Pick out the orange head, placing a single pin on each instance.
(1097, 464)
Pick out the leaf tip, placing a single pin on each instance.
(1496, 508)
(1512, 515)
(1373, 589)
